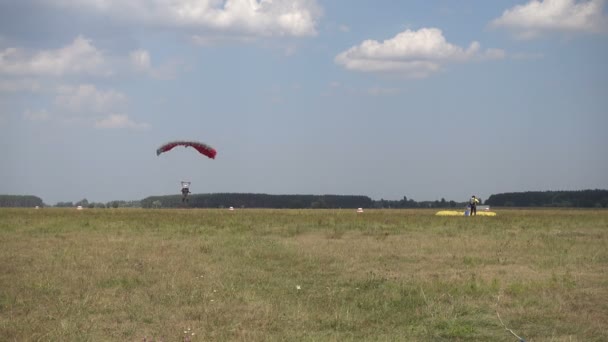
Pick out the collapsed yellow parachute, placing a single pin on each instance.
(461, 213)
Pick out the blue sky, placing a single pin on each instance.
(424, 99)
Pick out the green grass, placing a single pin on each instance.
(306, 275)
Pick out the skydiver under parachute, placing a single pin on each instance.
(185, 191)
(203, 149)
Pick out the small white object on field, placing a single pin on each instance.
(79, 207)
(298, 287)
(360, 210)
(231, 208)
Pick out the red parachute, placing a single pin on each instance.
(200, 147)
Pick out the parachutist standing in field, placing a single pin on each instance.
(473, 204)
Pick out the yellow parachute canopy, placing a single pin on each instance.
(461, 213)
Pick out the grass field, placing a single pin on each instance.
(302, 275)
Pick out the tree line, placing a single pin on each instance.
(18, 201)
(239, 200)
(251, 200)
(410, 203)
(28, 201)
(112, 204)
(573, 199)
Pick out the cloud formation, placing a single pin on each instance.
(537, 17)
(10, 85)
(87, 98)
(36, 115)
(50, 72)
(78, 57)
(258, 18)
(89, 105)
(412, 53)
(140, 59)
(383, 91)
(115, 121)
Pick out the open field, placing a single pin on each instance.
(312, 275)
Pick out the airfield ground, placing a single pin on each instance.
(293, 275)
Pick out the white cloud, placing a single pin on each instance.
(344, 28)
(140, 59)
(290, 50)
(86, 98)
(20, 85)
(78, 57)
(537, 17)
(36, 115)
(494, 54)
(523, 56)
(214, 39)
(120, 121)
(251, 17)
(411, 53)
(87, 105)
(383, 91)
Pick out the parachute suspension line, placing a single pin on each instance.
(503, 324)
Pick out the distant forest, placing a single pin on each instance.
(20, 201)
(572, 199)
(575, 199)
(248, 200)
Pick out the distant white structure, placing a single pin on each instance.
(360, 210)
(231, 208)
(79, 207)
(37, 207)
